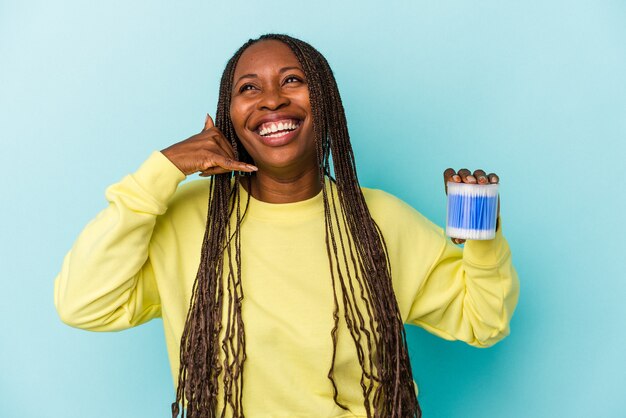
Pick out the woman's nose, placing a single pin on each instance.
(272, 99)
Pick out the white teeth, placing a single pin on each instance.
(275, 135)
(273, 127)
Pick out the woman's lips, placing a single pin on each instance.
(280, 138)
(279, 132)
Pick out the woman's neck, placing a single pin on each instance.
(269, 188)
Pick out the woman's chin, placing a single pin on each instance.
(293, 156)
(283, 161)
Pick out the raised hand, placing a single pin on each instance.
(208, 152)
(465, 176)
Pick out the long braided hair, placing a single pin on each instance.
(212, 350)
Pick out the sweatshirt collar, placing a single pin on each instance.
(284, 211)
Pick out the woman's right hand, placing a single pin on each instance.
(208, 152)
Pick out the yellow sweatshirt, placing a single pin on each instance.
(137, 260)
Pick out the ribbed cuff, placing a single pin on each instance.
(486, 252)
(159, 177)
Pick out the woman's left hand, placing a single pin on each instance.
(465, 176)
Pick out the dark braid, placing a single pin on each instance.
(212, 351)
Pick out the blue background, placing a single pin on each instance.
(533, 90)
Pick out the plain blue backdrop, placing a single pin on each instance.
(532, 90)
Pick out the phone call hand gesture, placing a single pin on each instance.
(207, 152)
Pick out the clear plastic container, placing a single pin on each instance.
(472, 211)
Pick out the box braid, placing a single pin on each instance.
(364, 292)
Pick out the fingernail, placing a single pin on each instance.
(456, 178)
(207, 118)
(251, 167)
(494, 179)
(471, 179)
(482, 179)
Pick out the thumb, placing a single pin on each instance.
(208, 123)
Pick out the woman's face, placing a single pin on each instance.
(270, 108)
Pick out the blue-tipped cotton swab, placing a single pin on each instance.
(472, 210)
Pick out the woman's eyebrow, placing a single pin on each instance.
(251, 75)
(246, 76)
(282, 70)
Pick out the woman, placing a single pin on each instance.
(305, 281)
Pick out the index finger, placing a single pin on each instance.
(451, 175)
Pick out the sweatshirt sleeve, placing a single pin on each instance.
(107, 282)
(468, 294)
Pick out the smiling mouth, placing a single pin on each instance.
(277, 128)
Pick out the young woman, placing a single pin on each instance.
(283, 285)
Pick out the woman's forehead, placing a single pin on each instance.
(267, 55)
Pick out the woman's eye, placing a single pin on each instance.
(292, 78)
(245, 87)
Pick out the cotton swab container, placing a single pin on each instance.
(472, 210)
